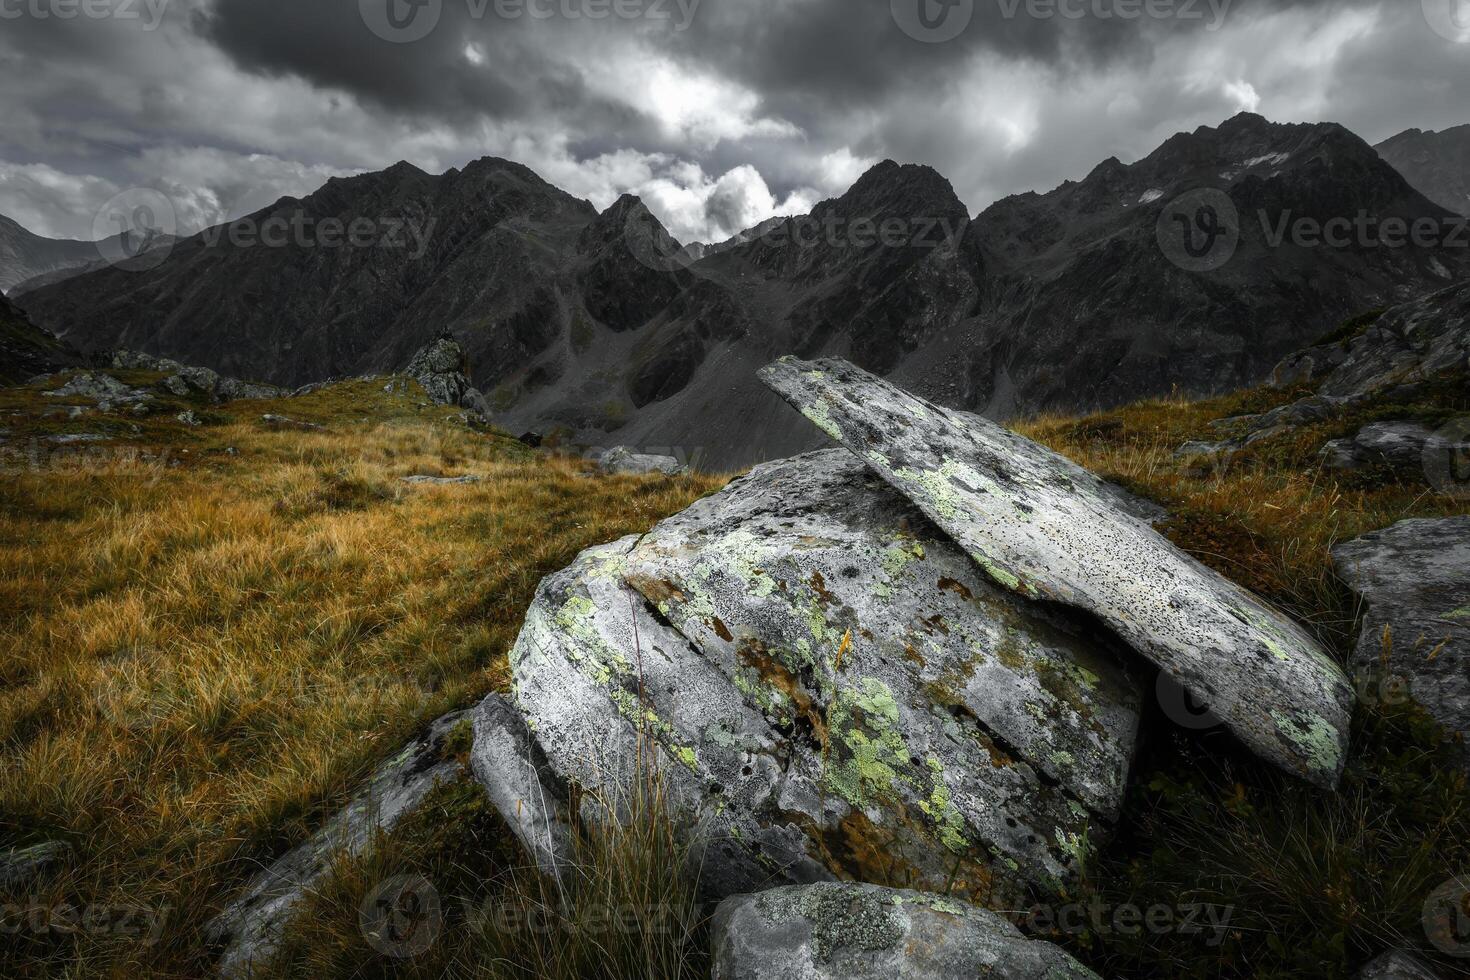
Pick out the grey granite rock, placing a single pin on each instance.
(841, 610)
(1013, 507)
(1408, 448)
(442, 368)
(281, 422)
(1419, 341)
(1415, 579)
(250, 928)
(608, 688)
(862, 932)
(624, 461)
(1397, 965)
(519, 784)
(19, 866)
(441, 481)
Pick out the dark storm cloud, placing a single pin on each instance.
(753, 105)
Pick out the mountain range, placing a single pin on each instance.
(1436, 164)
(601, 324)
(28, 260)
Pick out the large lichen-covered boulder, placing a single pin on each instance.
(862, 932)
(956, 718)
(1415, 579)
(614, 695)
(1036, 530)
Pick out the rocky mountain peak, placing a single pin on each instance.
(891, 189)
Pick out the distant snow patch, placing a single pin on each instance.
(1150, 196)
(1270, 159)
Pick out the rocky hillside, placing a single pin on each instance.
(605, 327)
(26, 350)
(1436, 164)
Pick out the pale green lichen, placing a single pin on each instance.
(1316, 739)
(818, 414)
(865, 721)
(939, 808)
(842, 917)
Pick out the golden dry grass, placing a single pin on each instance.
(199, 661)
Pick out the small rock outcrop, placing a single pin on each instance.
(189, 382)
(443, 370)
(624, 461)
(1010, 505)
(1405, 447)
(863, 932)
(1419, 341)
(106, 391)
(1415, 580)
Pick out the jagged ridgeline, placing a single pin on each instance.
(603, 326)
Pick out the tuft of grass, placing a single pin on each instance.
(454, 899)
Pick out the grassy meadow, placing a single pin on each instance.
(209, 635)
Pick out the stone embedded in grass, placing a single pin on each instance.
(1415, 579)
(251, 927)
(863, 932)
(20, 866)
(609, 690)
(1013, 506)
(624, 461)
(518, 782)
(1397, 965)
(910, 681)
(441, 481)
(280, 422)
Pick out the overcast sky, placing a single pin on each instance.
(719, 113)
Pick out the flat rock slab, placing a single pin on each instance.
(908, 678)
(519, 783)
(251, 927)
(862, 932)
(1415, 579)
(1017, 510)
(609, 691)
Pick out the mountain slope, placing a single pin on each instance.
(29, 259)
(26, 350)
(605, 327)
(1435, 164)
